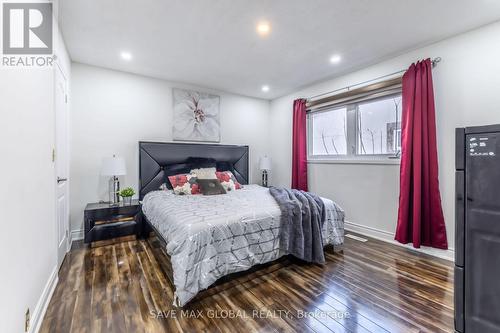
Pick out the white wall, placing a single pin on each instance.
(112, 111)
(28, 246)
(467, 93)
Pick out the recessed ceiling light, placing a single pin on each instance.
(265, 88)
(263, 28)
(335, 59)
(126, 55)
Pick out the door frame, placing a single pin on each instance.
(58, 68)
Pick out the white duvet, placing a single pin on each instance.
(211, 236)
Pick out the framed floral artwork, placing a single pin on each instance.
(196, 116)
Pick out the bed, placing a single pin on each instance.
(208, 237)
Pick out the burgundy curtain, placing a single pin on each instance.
(420, 216)
(299, 146)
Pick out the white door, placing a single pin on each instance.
(61, 160)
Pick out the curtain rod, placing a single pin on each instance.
(434, 62)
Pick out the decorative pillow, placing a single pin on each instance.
(226, 166)
(201, 162)
(211, 187)
(228, 180)
(184, 184)
(204, 173)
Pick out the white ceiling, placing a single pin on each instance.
(213, 43)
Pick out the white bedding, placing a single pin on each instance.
(211, 236)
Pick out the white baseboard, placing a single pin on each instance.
(43, 302)
(76, 235)
(389, 238)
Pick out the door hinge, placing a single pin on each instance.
(53, 155)
(27, 318)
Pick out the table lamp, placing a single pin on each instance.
(113, 167)
(265, 166)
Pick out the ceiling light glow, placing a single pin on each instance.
(265, 88)
(335, 59)
(126, 56)
(263, 28)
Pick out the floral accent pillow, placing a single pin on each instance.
(184, 184)
(228, 180)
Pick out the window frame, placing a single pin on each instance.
(352, 118)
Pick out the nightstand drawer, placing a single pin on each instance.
(114, 219)
(112, 212)
(113, 230)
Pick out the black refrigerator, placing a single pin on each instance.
(477, 229)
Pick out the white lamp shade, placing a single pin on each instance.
(113, 166)
(265, 163)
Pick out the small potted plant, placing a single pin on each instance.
(127, 194)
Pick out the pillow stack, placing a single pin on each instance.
(207, 181)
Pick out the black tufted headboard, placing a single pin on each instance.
(157, 160)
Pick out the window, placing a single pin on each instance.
(368, 129)
(329, 132)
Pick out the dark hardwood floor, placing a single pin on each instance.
(370, 287)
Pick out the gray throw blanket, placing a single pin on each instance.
(302, 218)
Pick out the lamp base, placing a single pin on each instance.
(114, 191)
(264, 178)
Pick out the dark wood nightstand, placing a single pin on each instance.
(104, 222)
